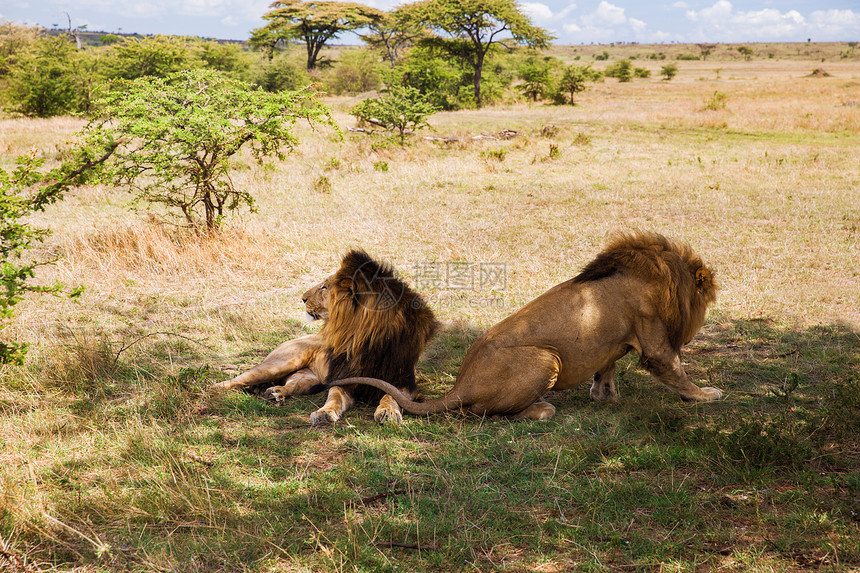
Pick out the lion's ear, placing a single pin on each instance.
(346, 287)
(703, 277)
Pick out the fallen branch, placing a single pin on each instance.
(145, 336)
(404, 545)
(383, 495)
(504, 134)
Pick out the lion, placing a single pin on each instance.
(643, 292)
(374, 326)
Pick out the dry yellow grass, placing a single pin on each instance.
(767, 190)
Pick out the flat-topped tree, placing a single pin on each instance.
(313, 23)
(470, 29)
(393, 34)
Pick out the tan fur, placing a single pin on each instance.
(374, 326)
(643, 292)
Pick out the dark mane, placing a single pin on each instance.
(378, 326)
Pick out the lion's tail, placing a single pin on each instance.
(443, 404)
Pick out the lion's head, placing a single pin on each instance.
(685, 286)
(316, 300)
(377, 326)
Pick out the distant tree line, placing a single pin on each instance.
(455, 53)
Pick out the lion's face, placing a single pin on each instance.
(316, 300)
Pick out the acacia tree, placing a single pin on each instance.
(471, 28)
(313, 23)
(392, 34)
(574, 80)
(174, 138)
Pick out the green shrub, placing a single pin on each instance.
(716, 102)
(229, 59)
(436, 78)
(574, 80)
(157, 56)
(280, 73)
(322, 184)
(622, 70)
(48, 79)
(669, 71)
(399, 108)
(357, 71)
(24, 191)
(495, 155)
(537, 80)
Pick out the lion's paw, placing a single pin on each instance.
(276, 394)
(388, 416)
(712, 393)
(224, 384)
(601, 392)
(323, 417)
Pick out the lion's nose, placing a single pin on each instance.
(304, 299)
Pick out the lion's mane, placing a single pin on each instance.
(377, 326)
(685, 287)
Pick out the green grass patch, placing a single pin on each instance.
(160, 474)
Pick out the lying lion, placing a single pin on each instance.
(643, 292)
(375, 325)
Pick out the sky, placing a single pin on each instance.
(572, 22)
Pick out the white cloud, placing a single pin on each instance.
(537, 11)
(680, 5)
(637, 25)
(606, 15)
(607, 23)
(835, 24)
(719, 12)
(722, 23)
(543, 14)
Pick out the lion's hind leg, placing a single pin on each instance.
(297, 384)
(288, 357)
(603, 387)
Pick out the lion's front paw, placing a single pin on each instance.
(323, 417)
(711, 393)
(385, 415)
(276, 394)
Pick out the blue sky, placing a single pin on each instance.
(572, 22)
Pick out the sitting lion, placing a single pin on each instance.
(375, 326)
(643, 292)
